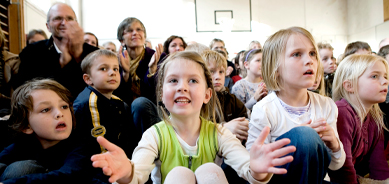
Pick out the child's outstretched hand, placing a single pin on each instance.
(114, 162)
(239, 127)
(264, 157)
(326, 133)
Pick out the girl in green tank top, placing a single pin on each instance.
(185, 145)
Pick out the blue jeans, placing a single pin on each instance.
(21, 168)
(145, 113)
(310, 160)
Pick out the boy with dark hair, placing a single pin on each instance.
(42, 115)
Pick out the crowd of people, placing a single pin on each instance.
(284, 112)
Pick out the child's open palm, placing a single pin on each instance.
(114, 162)
(265, 157)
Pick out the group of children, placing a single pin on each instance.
(273, 130)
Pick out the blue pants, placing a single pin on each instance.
(20, 168)
(145, 113)
(310, 160)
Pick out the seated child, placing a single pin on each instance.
(234, 111)
(326, 55)
(42, 116)
(318, 86)
(251, 89)
(357, 47)
(291, 65)
(187, 145)
(97, 111)
(359, 85)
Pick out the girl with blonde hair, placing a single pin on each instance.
(290, 65)
(184, 147)
(360, 84)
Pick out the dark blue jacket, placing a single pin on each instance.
(114, 115)
(65, 162)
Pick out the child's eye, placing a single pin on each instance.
(297, 54)
(221, 71)
(65, 107)
(172, 81)
(116, 69)
(193, 81)
(212, 71)
(374, 76)
(103, 69)
(312, 53)
(45, 110)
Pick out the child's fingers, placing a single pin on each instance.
(240, 137)
(279, 144)
(107, 145)
(282, 161)
(242, 133)
(262, 136)
(107, 171)
(243, 128)
(97, 157)
(277, 170)
(100, 164)
(283, 151)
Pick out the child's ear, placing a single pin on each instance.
(87, 80)
(246, 64)
(348, 86)
(28, 130)
(208, 95)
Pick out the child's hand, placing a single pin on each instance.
(114, 162)
(264, 157)
(260, 92)
(239, 127)
(229, 71)
(326, 133)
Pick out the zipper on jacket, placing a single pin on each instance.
(190, 162)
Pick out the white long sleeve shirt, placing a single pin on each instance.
(269, 112)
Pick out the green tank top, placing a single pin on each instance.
(172, 155)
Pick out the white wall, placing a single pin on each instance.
(34, 18)
(364, 18)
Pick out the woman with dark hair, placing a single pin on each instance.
(139, 64)
(174, 44)
(91, 39)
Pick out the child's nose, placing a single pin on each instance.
(182, 87)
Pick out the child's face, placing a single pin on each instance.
(218, 46)
(218, 76)
(50, 119)
(176, 45)
(184, 88)
(327, 61)
(254, 65)
(104, 75)
(255, 46)
(111, 47)
(373, 84)
(300, 64)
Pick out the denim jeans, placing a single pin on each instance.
(310, 160)
(144, 113)
(21, 168)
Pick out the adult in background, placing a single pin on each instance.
(139, 67)
(60, 56)
(110, 46)
(36, 35)
(218, 44)
(91, 39)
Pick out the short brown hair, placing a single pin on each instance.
(127, 22)
(353, 47)
(87, 62)
(384, 51)
(214, 41)
(22, 102)
(97, 40)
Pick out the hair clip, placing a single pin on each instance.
(160, 103)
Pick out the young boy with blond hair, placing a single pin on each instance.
(234, 111)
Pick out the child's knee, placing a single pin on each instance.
(180, 174)
(210, 173)
(21, 168)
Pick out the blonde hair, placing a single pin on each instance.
(210, 111)
(197, 47)
(350, 69)
(216, 40)
(211, 56)
(322, 45)
(274, 52)
(88, 61)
